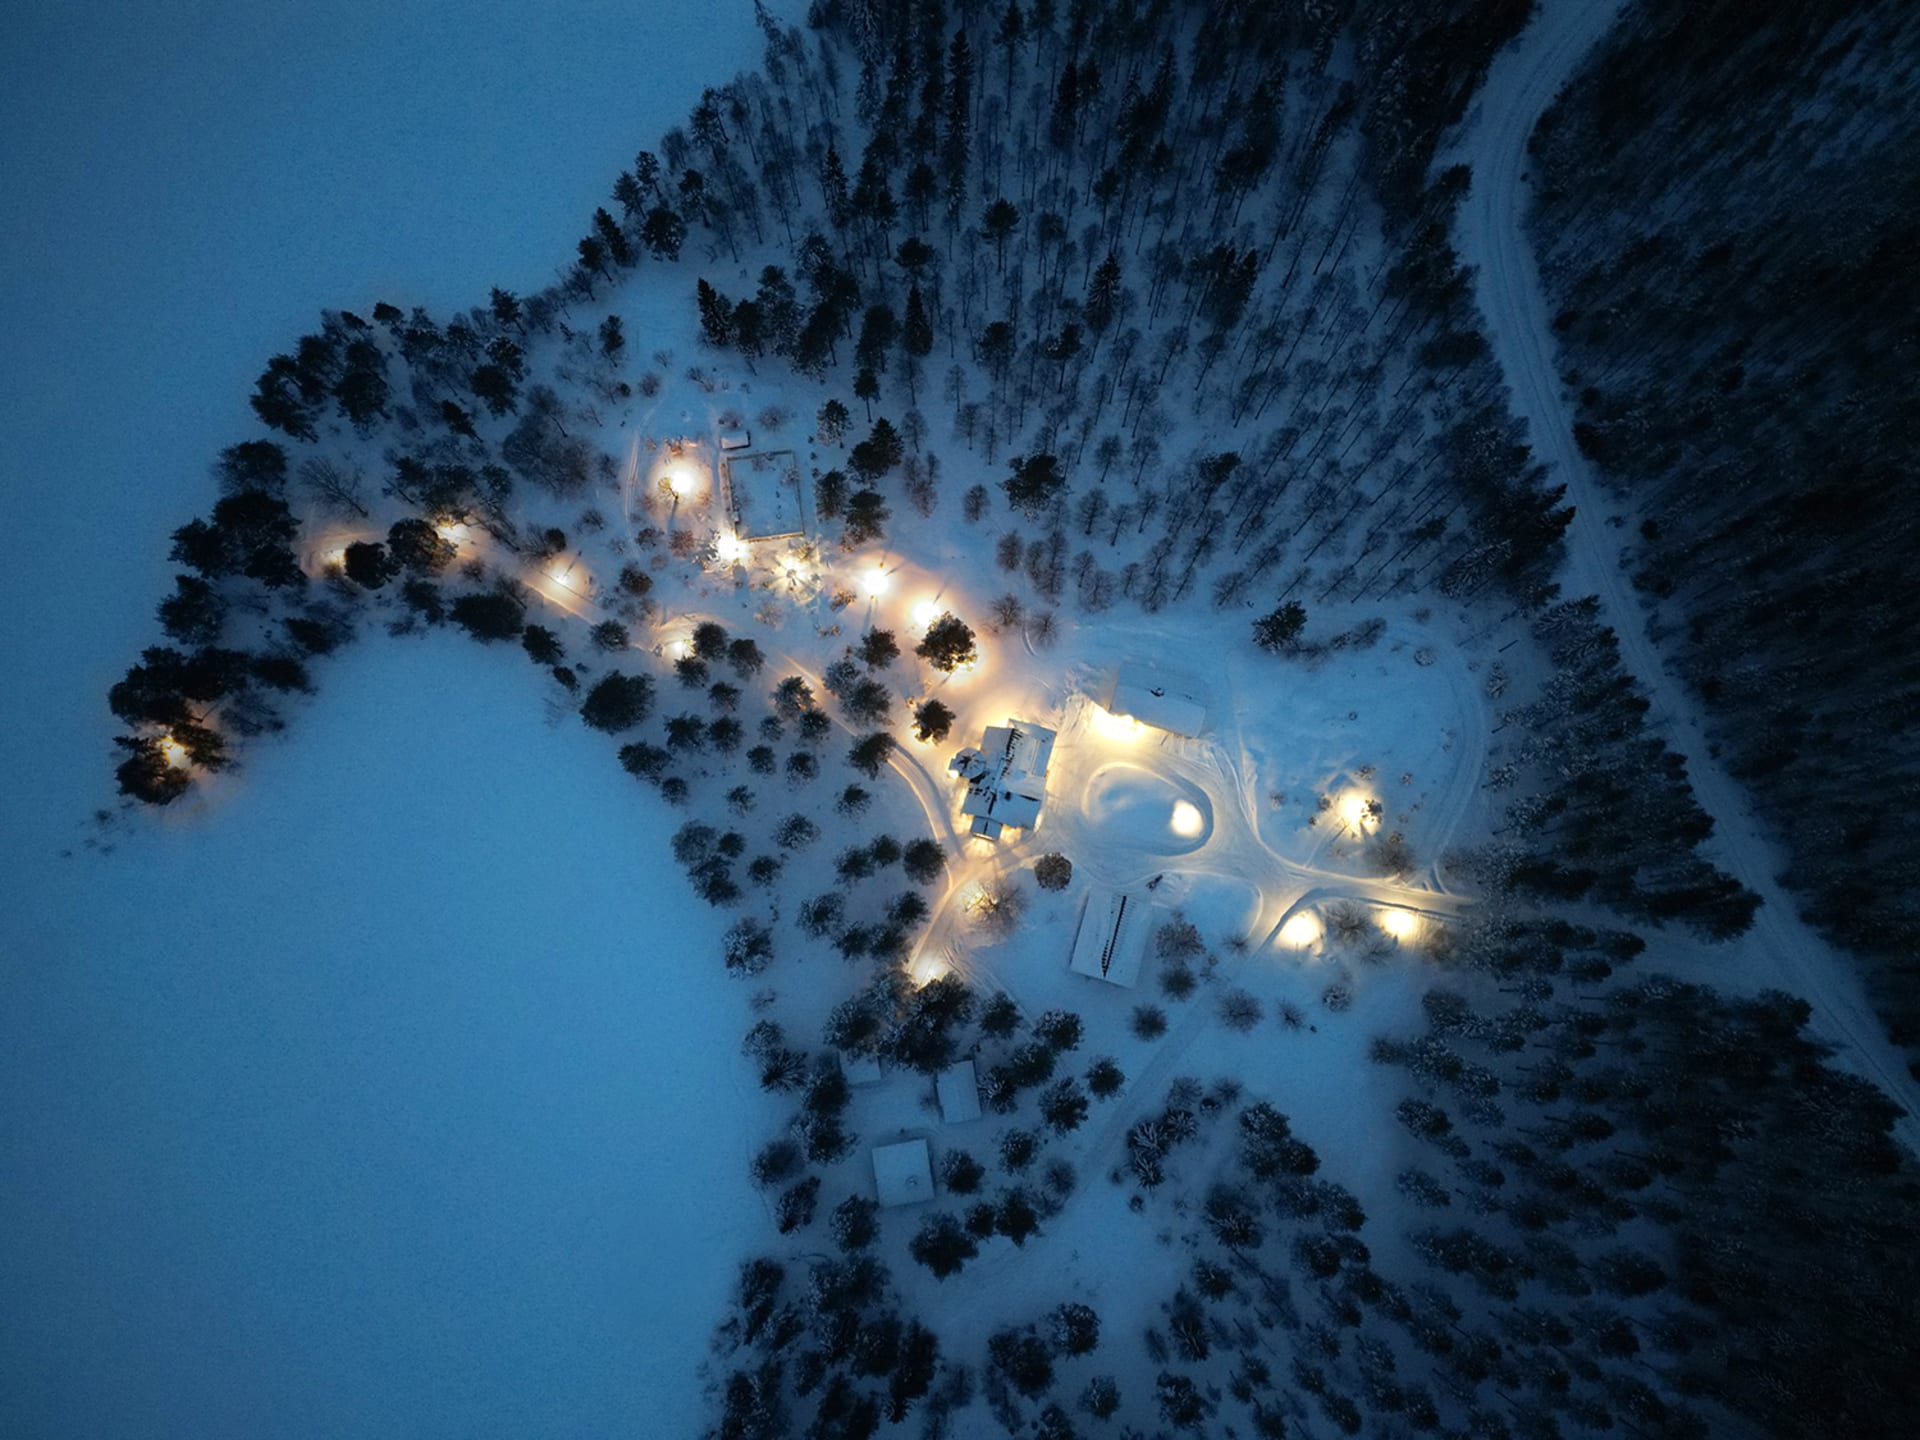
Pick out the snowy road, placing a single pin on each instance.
(1780, 950)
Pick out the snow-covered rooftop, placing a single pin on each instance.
(1006, 777)
(903, 1173)
(1112, 940)
(959, 1089)
(1158, 700)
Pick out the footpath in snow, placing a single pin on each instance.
(1780, 950)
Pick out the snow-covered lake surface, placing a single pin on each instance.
(360, 1100)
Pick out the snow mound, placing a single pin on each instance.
(1134, 808)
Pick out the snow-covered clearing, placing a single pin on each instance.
(1780, 950)
(1401, 719)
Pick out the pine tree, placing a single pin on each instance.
(916, 336)
(997, 224)
(716, 315)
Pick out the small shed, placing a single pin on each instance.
(959, 1090)
(903, 1173)
(1158, 700)
(861, 1070)
(1112, 939)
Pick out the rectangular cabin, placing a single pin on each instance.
(903, 1173)
(1157, 700)
(1112, 940)
(959, 1090)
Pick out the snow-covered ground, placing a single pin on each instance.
(380, 1155)
(1781, 950)
(369, 1094)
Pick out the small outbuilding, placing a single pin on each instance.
(959, 1090)
(1157, 700)
(1112, 939)
(861, 1070)
(1006, 777)
(903, 1173)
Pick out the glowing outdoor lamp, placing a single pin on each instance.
(875, 582)
(1187, 820)
(927, 969)
(925, 613)
(1110, 726)
(681, 483)
(174, 751)
(731, 548)
(680, 649)
(1401, 924)
(1301, 930)
(455, 532)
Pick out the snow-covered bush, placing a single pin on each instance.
(749, 947)
(1053, 872)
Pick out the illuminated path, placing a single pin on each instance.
(1781, 949)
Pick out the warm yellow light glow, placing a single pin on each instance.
(731, 548)
(681, 484)
(1109, 726)
(974, 899)
(875, 582)
(175, 752)
(929, 968)
(1401, 924)
(1301, 929)
(1353, 808)
(679, 649)
(454, 531)
(925, 613)
(336, 556)
(1187, 819)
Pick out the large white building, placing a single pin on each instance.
(1157, 700)
(1006, 777)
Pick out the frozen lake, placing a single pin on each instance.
(338, 1105)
